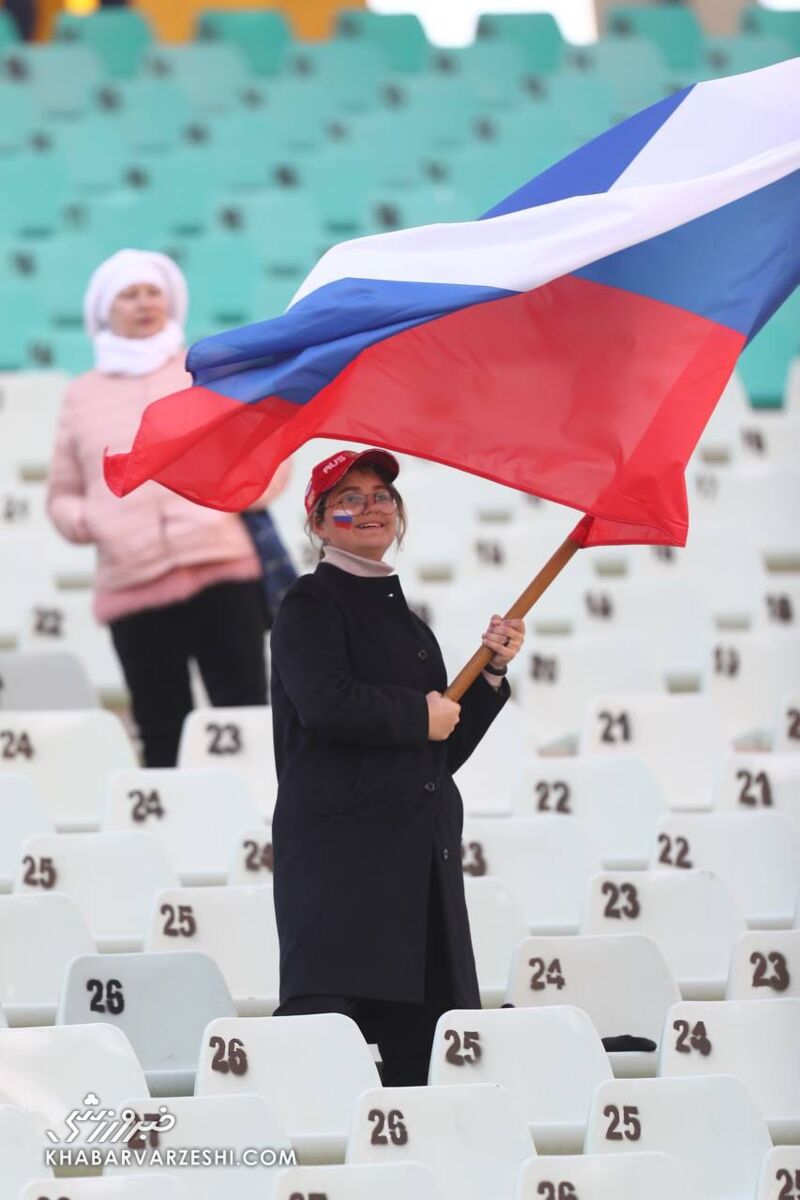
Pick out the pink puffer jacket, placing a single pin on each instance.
(151, 531)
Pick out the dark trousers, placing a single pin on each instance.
(403, 1032)
(223, 629)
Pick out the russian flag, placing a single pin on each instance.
(572, 343)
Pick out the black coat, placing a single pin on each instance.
(365, 802)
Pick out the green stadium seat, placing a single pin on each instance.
(537, 135)
(23, 313)
(93, 153)
(177, 190)
(118, 36)
(423, 206)
(399, 37)
(584, 104)
(750, 52)
(537, 35)
(18, 118)
(273, 296)
(66, 350)
(439, 111)
(9, 33)
(771, 23)
(394, 144)
(33, 193)
(348, 71)
(212, 76)
(150, 115)
(62, 79)
(482, 178)
(492, 71)
(244, 150)
(674, 28)
(632, 68)
(262, 37)
(300, 112)
(764, 364)
(61, 268)
(222, 273)
(121, 219)
(340, 180)
(283, 225)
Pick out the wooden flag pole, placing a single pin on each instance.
(520, 608)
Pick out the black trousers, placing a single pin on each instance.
(223, 629)
(403, 1032)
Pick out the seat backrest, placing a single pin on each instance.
(39, 936)
(748, 674)
(472, 1137)
(787, 735)
(499, 1045)
(20, 1148)
(711, 1126)
(138, 1187)
(251, 859)
(234, 737)
(57, 679)
(497, 924)
(22, 813)
(358, 1181)
(780, 1173)
(604, 1177)
(756, 782)
(765, 965)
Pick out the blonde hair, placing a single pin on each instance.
(317, 514)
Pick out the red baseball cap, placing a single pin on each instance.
(327, 473)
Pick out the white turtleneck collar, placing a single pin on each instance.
(354, 564)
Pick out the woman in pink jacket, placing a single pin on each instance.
(174, 581)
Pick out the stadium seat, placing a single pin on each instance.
(233, 737)
(18, 114)
(787, 730)
(497, 924)
(393, 1181)
(747, 674)
(764, 362)
(20, 1149)
(712, 1127)
(67, 755)
(633, 67)
(499, 1046)
(261, 36)
(161, 1002)
(251, 858)
(493, 70)
(149, 116)
(749, 52)
(9, 32)
(258, 216)
(22, 814)
(536, 35)
(349, 70)
(112, 877)
(757, 20)
(755, 782)
(676, 31)
(780, 1169)
(486, 779)
(233, 925)
(770, 437)
(29, 407)
(604, 1177)
(237, 1124)
(310, 1070)
(765, 966)
(756, 853)
(679, 737)
(60, 620)
(222, 276)
(119, 38)
(623, 983)
(52, 1072)
(399, 37)
(615, 799)
(778, 604)
(137, 1187)
(473, 1138)
(196, 815)
(561, 678)
(62, 79)
(692, 916)
(757, 500)
(745, 1038)
(40, 935)
(212, 76)
(546, 861)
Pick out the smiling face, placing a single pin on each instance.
(369, 533)
(140, 310)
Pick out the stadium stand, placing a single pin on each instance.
(630, 847)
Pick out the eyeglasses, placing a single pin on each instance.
(358, 502)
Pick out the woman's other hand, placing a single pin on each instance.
(505, 639)
(443, 716)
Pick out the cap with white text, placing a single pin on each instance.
(327, 473)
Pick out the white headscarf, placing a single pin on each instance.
(115, 355)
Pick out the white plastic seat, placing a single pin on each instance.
(44, 679)
(765, 966)
(712, 1127)
(137, 1187)
(755, 1042)
(194, 814)
(161, 1002)
(473, 1138)
(29, 416)
(560, 675)
(21, 1146)
(22, 814)
(760, 501)
(233, 925)
(63, 620)
(550, 1060)
(244, 1124)
(778, 603)
(112, 877)
(52, 1071)
(780, 1173)
(747, 675)
(497, 923)
(787, 733)
(692, 916)
(760, 782)
(616, 799)
(769, 437)
(68, 756)
(358, 1181)
(39, 936)
(622, 982)
(668, 614)
(486, 779)
(310, 1070)
(234, 737)
(718, 439)
(680, 737)
(604, 1177)
(546, 861)
(251, 859)
(756, 853)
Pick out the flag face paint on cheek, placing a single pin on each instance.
(342, 517)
